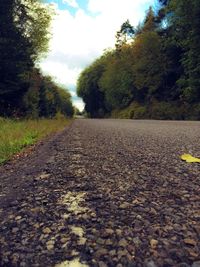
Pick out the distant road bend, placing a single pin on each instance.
(104, 193)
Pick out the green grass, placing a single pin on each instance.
(16, 135)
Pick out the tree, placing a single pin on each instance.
(89, 89)
(149, 67)
(23, 37)
(149, 24)
(64, 103)
(186, 30)
(54, 99)
(125, 33)
(32, 96)
(13, 58)
(150, 62)
(45, 98)
(164, 2)
(155, 73)
(117, 79)
(32, 19)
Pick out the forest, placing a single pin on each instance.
(154, 70)
(24, 38)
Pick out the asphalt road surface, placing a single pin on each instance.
(104, 193)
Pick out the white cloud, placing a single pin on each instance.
(61, 72)
(79, 104)
(71, 3)
(78, 39)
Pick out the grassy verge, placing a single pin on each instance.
(15, 135)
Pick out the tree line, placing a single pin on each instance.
(24, 38)
(154, 70)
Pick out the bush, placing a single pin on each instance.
(159, 111)
(165, 111)
(140, 113)
(192, 112)
(59, 116)
(196, 111)
(134, 111)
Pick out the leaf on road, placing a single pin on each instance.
(189, 158)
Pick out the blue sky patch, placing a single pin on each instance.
(62, 5)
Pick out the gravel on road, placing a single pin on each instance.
(104, 193)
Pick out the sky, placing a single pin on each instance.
(81, 30)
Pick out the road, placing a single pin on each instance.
(104, 193)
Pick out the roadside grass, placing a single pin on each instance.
(16, 135)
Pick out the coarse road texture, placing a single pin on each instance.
(104, 193)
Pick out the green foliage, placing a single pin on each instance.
(44, 98)
(23, 39)
(165, 111)
(31, 103)
(186, 32)
(154, 75)
(149, 22)
(133, 111)
(139, 112)
(194, 113)
(89, 89)
(150, 62)
(59, 116)
(64, 104)
(117, 80)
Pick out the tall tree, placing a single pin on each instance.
(117, 80)
(186, 31)
(23, 37)
(88, 87)
(150, 62)
(125, 33)
(149, 24)
(13, 57)
(45, 98)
